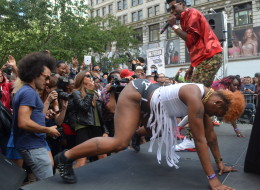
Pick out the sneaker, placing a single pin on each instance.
(136, 140)
(64, 166)
(186, 145)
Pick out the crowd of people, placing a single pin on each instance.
(75, 104)
(65, 115)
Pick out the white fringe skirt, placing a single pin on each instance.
(163, 128)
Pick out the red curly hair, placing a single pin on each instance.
(234, 103)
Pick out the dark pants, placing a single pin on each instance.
(252, 160)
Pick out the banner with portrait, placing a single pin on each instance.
(246, 43)
(155, 60)
(172, 52)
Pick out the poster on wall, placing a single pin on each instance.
(172, 51)
(246, 43)
(155, 60)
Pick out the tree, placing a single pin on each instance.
(61, 27)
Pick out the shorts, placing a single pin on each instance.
(13, 154)
(87, 133)
(206, 71)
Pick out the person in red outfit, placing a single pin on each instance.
(6, 87)
(203, 46)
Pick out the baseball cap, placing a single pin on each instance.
(139, 68)
(126, 73)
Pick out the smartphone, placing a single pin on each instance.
(87, 60)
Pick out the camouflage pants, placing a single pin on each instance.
(205, 72)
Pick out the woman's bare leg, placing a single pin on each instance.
(127, 117)
(80, 162)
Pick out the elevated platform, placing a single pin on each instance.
(130, 170)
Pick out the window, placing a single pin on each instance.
(134, 18)
(124, 4)
(156, 10)
(124, 19)
(140, 2)
(243, 14)
(103, 11)
(154, 32)
(92, 14)
(97, 1)
(139, 34)
(98, 12)
(119, 5)
(110, 9)
(166, 7)
(133, 3)
(140, 15)
(150, 12)
(195, 2)
(91, 2)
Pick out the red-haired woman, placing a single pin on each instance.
(142, 100)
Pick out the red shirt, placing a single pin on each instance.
(201, 42)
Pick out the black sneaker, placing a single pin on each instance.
(136, 139)
(64, 166)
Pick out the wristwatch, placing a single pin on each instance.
(175, 27)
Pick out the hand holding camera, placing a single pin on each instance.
(52, 96)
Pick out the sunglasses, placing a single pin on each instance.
(47, 77)
(173, 7)
(89, 76)
(97, 70)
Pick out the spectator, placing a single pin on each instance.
(231, 83)
(178, 77)
(248, 89)
(61, 68)
(161, 79)
(139, 72)
(89, 122)
(28, 119)
(108, 99)
(73, 67)
(5, 86)
(126, 73)
(138, 62)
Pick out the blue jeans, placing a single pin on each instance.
(39, 161)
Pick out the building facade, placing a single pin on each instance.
(147, 17)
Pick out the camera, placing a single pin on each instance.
(116, 85)
(63, 95)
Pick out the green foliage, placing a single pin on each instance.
(61, 27)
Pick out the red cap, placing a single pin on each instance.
(126, 73)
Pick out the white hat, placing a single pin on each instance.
(139, 68)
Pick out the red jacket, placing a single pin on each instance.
(6, 89)
(201, 42)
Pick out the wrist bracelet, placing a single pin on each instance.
(175, 27)
(236, 129)
(217, 160)
(211, 176)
